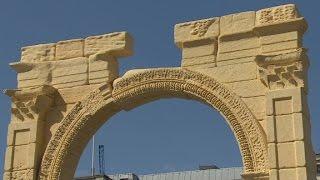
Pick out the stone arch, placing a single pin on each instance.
(141, 86)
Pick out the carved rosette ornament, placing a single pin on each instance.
(200, 28)
(143, 86)
(283, 70)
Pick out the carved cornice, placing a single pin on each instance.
(152, 84)
(283, 70)
(30, 104)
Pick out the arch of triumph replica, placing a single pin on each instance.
(249, 66)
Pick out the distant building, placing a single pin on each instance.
(207, 174)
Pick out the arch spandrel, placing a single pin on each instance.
(140, 87)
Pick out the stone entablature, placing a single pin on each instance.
(250, 66)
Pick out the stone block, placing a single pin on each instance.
(272, 156)
(290, 173)
(300, 153)
(103, 70)
(250, 88)
(38, 53)
(20, 157)
(34, 74)
(232, 73)
(196, 30)
(273, 174)
(23, 133)
(69, 49)
(70, 72)
(234, 43)
(235, 61)
(119, 44)
(256, 105)
(73, 94)
(281, 46)
(238, 54)
(199, 61)
(199, 48)
(278, 101)
(287, 155)
(271, 129)
(280, 37)
(235, 23)
(285, 128)
(278, 14)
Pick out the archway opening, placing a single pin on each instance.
(164, 136)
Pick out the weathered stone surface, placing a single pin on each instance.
(232, 73)
(69, 49)
(38, 53)
(196, 30)
(118, 44)
(236, 23)
(102, 68)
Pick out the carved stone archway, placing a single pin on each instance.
(250, 66)
(139, 88)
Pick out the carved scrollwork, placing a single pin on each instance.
(147, 85)
(284, 70)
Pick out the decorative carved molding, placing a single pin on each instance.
(153, 84)
(284, 70)
(200, 28)
(30, 104)
(277, 14)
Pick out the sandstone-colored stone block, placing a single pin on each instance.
(232, 73)
(256, 105)
(250, 88)
(69, 49)
(300, 153)
(22, 133)
(206, 61)
(278, 102)
(239, 22)
(21, 157)
(33, 75)
(70, 72)
(38, 53)
(299, 124)
(290, 173)
(271, 129)
(280, 46)
(199, 49)
(278, 14)
(103, 68)
(231, 44)
(73, 94)
(272, 156)
(285, 128)
(302, 173)
(238, 54)
(119, 44)
(196, 30)
(235, 61)
(280, 37)
(287, 155)
(274, 174)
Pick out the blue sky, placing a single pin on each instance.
(166, 135)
